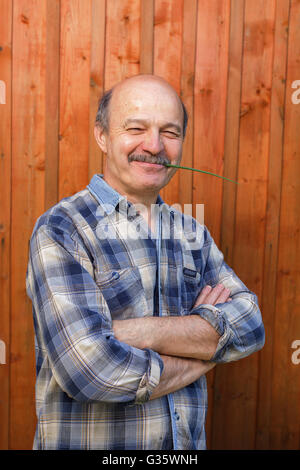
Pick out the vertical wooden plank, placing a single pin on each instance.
(285, 407)
(5, 208)
(209, 127)
(254, 139)
(189, 37)
(231, 146)
(96, 80)
(237, 393)
(231, 149)
(76, 17)
(210, 106)
(147, 36)
(189, 30)
(168, 31)
(122, 51)
(52, 102)
(272, 222)
(167, 64)
(28, 183)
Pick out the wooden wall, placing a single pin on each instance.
(234, 63)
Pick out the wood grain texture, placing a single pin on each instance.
(52, 102)
(236, 393)
(189, 30)
(5, 210)
(233, 63)
(231, 144)
(96, 80)
(167, 64)
(122, 50)
(75, 50)
(268, 299)
(285, 410)
(210, 91)
(231, 156)
(213, 22)
(147, 36)
(28, 174)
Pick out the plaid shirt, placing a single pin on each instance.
(93, 259)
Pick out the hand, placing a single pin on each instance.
(213, 296)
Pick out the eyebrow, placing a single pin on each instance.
(146, 121)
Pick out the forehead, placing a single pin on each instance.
(150, 100)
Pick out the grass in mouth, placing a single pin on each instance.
(200, 171)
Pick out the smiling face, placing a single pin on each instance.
(145, 124)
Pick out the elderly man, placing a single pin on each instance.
(127, 326)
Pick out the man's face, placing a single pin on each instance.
(145, 123)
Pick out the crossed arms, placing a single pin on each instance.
(95, 359)
(184, 343)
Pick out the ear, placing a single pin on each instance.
(101, 137)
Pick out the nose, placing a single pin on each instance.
(152, 142)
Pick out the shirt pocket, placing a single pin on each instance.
(123, 292)
(190, 288)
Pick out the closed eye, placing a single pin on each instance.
(135, 129)
(171, 133)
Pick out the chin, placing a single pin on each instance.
(151, 184)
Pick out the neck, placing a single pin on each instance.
(145, 198)
(143, 201)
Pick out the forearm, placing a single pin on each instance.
(188, 336)
(178, 373)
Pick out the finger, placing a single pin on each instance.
(214, 294)
(202, 296)
(223, 297)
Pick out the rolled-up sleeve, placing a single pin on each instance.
(74, 325)
(150, 379)
(239, 322)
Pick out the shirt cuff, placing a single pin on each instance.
(215, 317)
(150, 379)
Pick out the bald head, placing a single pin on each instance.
(130, 88)
(140, 127)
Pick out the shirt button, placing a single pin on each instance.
(115, 275)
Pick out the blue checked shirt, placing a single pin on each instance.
(93, 259)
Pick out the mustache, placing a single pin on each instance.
(159, 159)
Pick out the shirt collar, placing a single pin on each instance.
(107, 196)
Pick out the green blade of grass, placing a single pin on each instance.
(200, 171)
